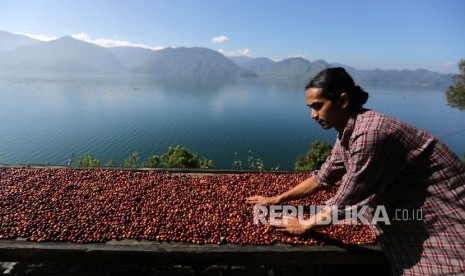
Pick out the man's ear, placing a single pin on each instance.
(344, 100)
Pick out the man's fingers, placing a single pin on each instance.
(279, 226)
(251, 201)
(252, 198)
(281, 230)
(278, 223)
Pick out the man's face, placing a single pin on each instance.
(327, 113)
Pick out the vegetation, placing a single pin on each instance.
(237, 162)
(153, 162)
(253, 163)
(314, 158)
(456, 94)
(133, 160)
(177, 157)
(180, 157)
(88, 161)
(111, 163)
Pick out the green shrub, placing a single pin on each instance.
(153, 162)
(456, 94)
(88, 161)
(314, 158)
(237, 162)
(111, 163)
(255, 163)
(133, 160)
(180, 157)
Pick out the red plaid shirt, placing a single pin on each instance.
(386, 162)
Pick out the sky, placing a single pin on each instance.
(365, 34)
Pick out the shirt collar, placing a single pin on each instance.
(350, 125)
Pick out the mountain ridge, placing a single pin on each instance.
(69, 55)
(191, 61)
(9, 41)
(65, 54)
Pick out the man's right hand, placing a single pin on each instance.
(262, 200)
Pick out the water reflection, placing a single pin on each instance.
(47, 118)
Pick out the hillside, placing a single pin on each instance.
(9, 41)
(304, 70)
(131, 57)
(290, 67)
(191, 61)
(21, 54)
(258, 65)
(65, 55)
(412, 78)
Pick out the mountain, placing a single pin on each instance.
(9, 41)
(304, 70)
(241, 60)
(194, 61)
(290, 67)
(21, 54)
(131, 57)
(400, 78)
(405, 78)
(258, 65)
(65, 55)
(347, 67)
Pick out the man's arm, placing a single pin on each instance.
(295, 226)
(331, 171)
(303, 189)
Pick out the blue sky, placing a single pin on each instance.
(394, 34)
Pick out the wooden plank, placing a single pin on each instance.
(153, 253)
(187, 171)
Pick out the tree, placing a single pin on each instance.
(88, 161)
(255, 163)
(314, 158)
(152, 162)
(456, 94)
(180, 157)
(237, 162)
(133, 160)
(111, 163)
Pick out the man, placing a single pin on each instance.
(382, 161)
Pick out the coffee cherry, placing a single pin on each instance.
(97, 205)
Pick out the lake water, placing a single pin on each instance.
(49, 118)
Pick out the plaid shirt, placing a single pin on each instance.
(383, 161)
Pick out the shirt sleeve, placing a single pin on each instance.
(332, 170)
(374, 160)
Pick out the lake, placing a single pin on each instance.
(50, 118)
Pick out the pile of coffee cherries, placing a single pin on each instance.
(99, 205)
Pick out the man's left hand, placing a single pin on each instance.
(291, 225)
